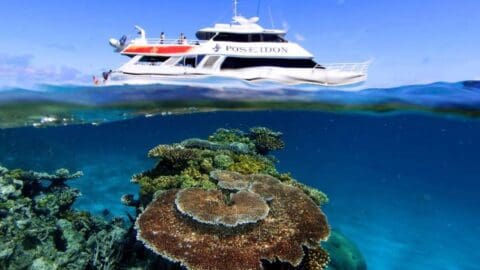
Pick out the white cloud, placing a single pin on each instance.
(19, 70)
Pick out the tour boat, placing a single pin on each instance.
(241, 50)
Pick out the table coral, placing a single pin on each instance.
(229, 180)
(293, 223)
(212, 207)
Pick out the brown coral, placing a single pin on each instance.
(230, 180)
(293, 222)
(316, 259)
(210, 207)
(173, 158)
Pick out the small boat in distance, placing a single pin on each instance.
(241, 49)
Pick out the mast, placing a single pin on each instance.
(235, 8)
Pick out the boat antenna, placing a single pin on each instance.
(271, 16)
(258, 7)
(235, 8)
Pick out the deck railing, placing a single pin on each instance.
(349, 67)
(153, 41)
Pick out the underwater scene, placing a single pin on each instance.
(378, 179)
(239, 135)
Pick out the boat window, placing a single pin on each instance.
(181, 62)
(232, 37)
(210, 62)
(272, 38)
(249, 37)
(256, 38)
(205, 35)
(151, 60)
(200, 58)
(238, 62)
(172, 61)
(191, 61)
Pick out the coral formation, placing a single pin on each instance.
(266, 140)
(40, 230)
(221, 204)
(189, 163)
(316, 259)
(211, 207)
(229, 180)
(207, 204)
(208, 227)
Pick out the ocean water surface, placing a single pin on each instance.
(400, 166)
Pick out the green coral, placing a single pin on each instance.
(148, 186)
(189, 163)
(250, 164)
(229, 136)
(223, 161)
(207, 165)
(266, 140)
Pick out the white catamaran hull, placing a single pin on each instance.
(291, 76)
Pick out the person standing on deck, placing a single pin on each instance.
(182, 37)
(162, 38)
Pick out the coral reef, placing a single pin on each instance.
(221, 204)
(209, 204)
(281, 235)
(40, 230)
(189, 163)
(345, 255)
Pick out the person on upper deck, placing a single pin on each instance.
(162, 38)
(181, 38)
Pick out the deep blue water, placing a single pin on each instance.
(404, 187)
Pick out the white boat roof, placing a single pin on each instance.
(242, 25)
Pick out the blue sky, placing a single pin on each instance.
(411, 41)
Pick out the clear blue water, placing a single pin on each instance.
(47, 105)
(403, 186)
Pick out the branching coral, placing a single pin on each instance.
(266, 140)
(189, 163)
(229, 136)
(59, 177)
(173, 158)
(236, 147)
(39, 229)
(249, 164)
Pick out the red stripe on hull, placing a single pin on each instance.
(157, 49)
